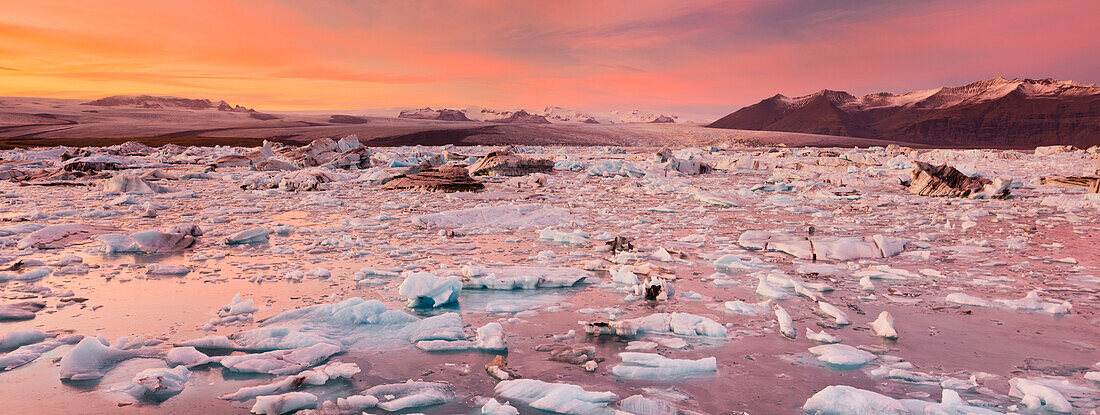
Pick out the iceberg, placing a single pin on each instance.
(638, 365)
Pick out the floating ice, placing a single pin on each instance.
(821, 337)
(351, 323)
(577, 237)
(19, 338)
(285, 403)
(786, 325)
(561, 398)
(487, 218)
(157, 384)
(317, 376)
(400, 396)
(166, 269)
(831, 311)
(30, 352)
(129, 183)
(1036, 396)
(249, 237)
(92, 358)
(423, 289)
(883, 326)
(683, 324)
(741, 307)
(25, 275)
(654, 366)
(842, 355)
(281, 362)
(186, 356)
(521, 277)
(492, 407)
(738, 263)
(845, 400)
(823, 248)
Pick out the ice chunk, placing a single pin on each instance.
(32, 274)
(831, 311)
(741, 307)
(577, 237)
(129, 183)
(157, 384)
(1032, 302)
(637, 365)
(821, 337)
(883, 326)
(423, 289)
(485, 218)
(683, 324)
(317, 376)
(842, 355)
(1036, 396)
(399, 396)
(166, 269)
(285, 403)
(964, 299)
(845, 400)
(19, 338)
(491, 337)
(20, 311)
(561, 398)
(186, 356)
(492, 407)
(522, 277)
(281, 362)
(738, 263)
(28, 353)
(786, 325)
(249, 237)
(91, 358)
(352, 323)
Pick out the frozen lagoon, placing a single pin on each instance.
(350, 238)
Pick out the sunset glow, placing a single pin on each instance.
(694, 57)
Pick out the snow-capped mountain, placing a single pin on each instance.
(995, 111)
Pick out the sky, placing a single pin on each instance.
(695, 58)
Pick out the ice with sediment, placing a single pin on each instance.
(845, 400)
(93, 357)
(636, 365)
(562, 398)
(32, 274)
(157, 384)
(284, 403)
(424, 289)
(316, 376)
(826, 248)
(400, 396)
(488, 219)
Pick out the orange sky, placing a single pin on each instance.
(688, 57)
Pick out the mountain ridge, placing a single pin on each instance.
(991, 112)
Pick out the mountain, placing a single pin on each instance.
(150, 101)
(427, 113)
(995, 112)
